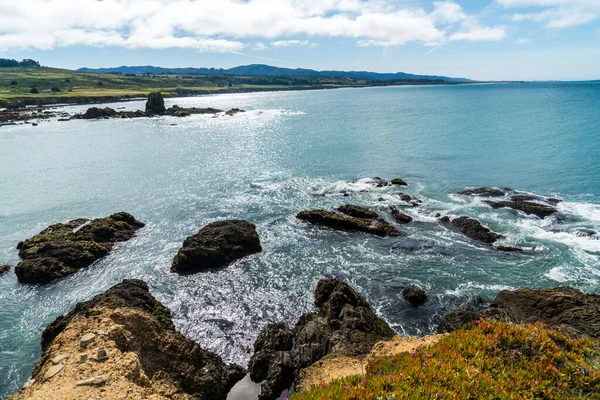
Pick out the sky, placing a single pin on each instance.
(477, 39)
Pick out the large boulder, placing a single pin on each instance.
(96, 112)
(475, 230)
(330, 219)
(528, 207)
(155, 104)
(216, 245)
(62, 249)
(345, 325)
(142, 354)
(414, 296)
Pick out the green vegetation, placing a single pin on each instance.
(490, 361)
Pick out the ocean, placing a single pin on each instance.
(293, 151)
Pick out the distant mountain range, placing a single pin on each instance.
(267, 70)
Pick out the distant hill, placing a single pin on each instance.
(267, 70)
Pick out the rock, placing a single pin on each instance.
(155, 104)
(147, 355)
(409, 199)
(400, 217)
(457, 319)
(101, 355)
(378, 182)
(444, 220)
(94, 381)
(340, 222)
(82, 358)
(527, 207)
(483, 192)
(95, 113)
(509, 249)
(4, 269)
(580, 232)
(216, 245)
(398, 181)
(53, 371)
(60, 358)
(344, 325)
(415, 297)
(553, 201)
(87, 339)
(524, 197)
(475, 230)
(62, 249)
(357, 211)
(234, 111)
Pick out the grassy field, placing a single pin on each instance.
(53, 82)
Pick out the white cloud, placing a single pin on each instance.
(230, 25)
(555, 14)
(288, 43)
(259, 46)
(522, 41)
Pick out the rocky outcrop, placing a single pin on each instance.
(216, 245)
(399, 182)
(474, 229)
(177, 111)
(357, 211)
(344, 325)
(234, 111)
(484, 192)
(123, 343)
(409, 199)
(414, 296)
(155, 104)
(96, 112)
(62, 249)
(528, 207)
(330, 219)
(4, 269)
(563, 306)
(400, 217)
(378, 182)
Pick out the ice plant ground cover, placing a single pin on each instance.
(491, 360)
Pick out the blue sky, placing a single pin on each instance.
(487, 40)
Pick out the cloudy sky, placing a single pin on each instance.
(479, 39)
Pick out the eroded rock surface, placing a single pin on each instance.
(62, 249)
(146, 356)
(528, 207)
(330, 219)
(484, 192)
(155, 104)
(473, 229)
(344, 325)
(216, 245)
(357, 211)
(400, 217)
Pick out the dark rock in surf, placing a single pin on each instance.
(400, 217)
(340, 222)
(528, 207)
(234, 111)
(509, 249)
(378, 182)
(524, 197)
(414, 296)
(409, 199)
(138, 325)
(553, 201)
(155, 104)
(95, 113)
(357, 211)
(217, 245)
(475, 230)
(345, 324)
(62, 249)
(398, 181)
(4, 269)
(483, 192)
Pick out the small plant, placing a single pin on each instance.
(34, 90)
(55, 89)
(491, 361)
(100, 83)
(14, 83)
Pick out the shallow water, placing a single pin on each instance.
(301, 150)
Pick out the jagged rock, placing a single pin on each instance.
(340, 222)
(553, 201)
(150, 357)
(357, 211)
(475, 230)
(415, 297)
(216, 245)
(483, 192)
(4, 269)
(400, 217)
(409, 199)
(527, 207)
(344, 325)
(155, 104)
(62, 249)
(398, 181)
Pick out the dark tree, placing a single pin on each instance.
(34, 90)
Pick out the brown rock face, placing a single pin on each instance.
(62, 249)
(345, 325)
(216, 245)
(475, 230)
(145, 356)
(330, 219)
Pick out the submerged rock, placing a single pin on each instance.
(155, 104)
(216, 245)
(484, 192)
(378, 182)
(344, 325)
(340, 222)
(148, 357)
(509, 249)
(414, 296)
(4, 269)
(528, 207)
(357, 211)
(400, 217)
(234, 111)
(62, 249)
(475, 230)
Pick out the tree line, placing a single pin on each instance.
(9, 63)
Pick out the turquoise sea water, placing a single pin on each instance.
(302, 150)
